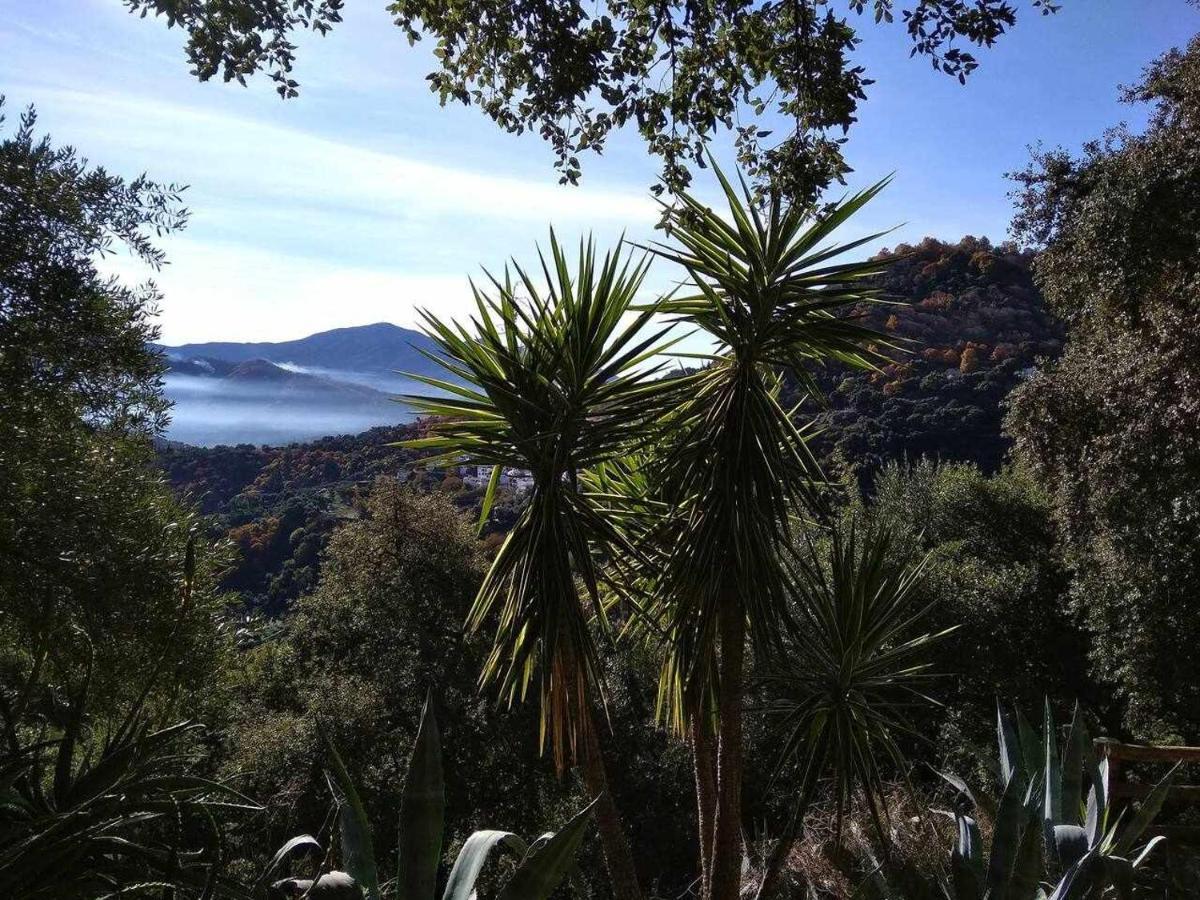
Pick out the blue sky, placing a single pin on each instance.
(363, 199)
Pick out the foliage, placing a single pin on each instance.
(542, 864)
(680, 71)
(994, 574)
(92, 541)
(854, 669)
(967, 298)
(848, 680)
(1111, 430)
(734, 465)
(1045, 828)
(76, 344)
(549, 380)
(86, 815)
(731, 469)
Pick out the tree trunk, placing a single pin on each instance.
(618, 857)
(706, 796)
(727, 831)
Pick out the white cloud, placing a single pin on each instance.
(219, 292)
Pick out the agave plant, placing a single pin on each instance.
(542, 864)
(853, 670)
(1050, 839)
(84, 817)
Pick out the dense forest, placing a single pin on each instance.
(833, 611)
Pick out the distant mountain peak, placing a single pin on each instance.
(381, 347)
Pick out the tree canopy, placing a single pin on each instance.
(1112, 428)
(680, 71)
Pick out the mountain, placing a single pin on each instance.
(333, 382)
(381, 348)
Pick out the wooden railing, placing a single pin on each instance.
(1119, 755)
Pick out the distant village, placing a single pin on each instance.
(517, 480)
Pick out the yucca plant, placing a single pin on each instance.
(542, 864)
(853, 670)
(553, 376)
(774, 297)
(88, 816)
(1050, 837)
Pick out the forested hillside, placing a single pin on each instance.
(279, 505)
(966, 324)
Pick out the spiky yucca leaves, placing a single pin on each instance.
(774, 297)
(552, 378)
(854, 668)
(83, 824)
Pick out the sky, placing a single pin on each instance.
(362, 199)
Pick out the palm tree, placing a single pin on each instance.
(553, 380)
(773, 298)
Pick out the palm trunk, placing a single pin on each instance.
(706, 797)
(727, 830)
(618, 857)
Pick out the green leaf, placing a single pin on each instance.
(966, 863)
(1070, 843)
(1052, 776)
(489, 496)
(1146, 814)
(1078, 749)
(1006, 839)
(358, 851)
(473, 856)
(1010, 748)
(548, 863)
(422, 813)
(301, 842)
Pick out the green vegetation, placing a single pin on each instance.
(1045, 828)
(542, 864)
(745, 671)
(1112, 430)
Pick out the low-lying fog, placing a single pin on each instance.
(211, 411)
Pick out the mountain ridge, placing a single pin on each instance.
(378, 348)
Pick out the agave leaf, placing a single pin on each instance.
(959, 785)
(474, 855)
(1072, 877)
(1006, 839)
(1097, 806)
(1031, 750)
(1079, 745)
(301, 842)
(1010, 749)
(358, 852)
(330, 886)
(422, 814)
(548, 862)
(966, 861)
(1148, 849)
(1070, 843)
(1027, 872)
(1146, 814)
(1052, 785)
